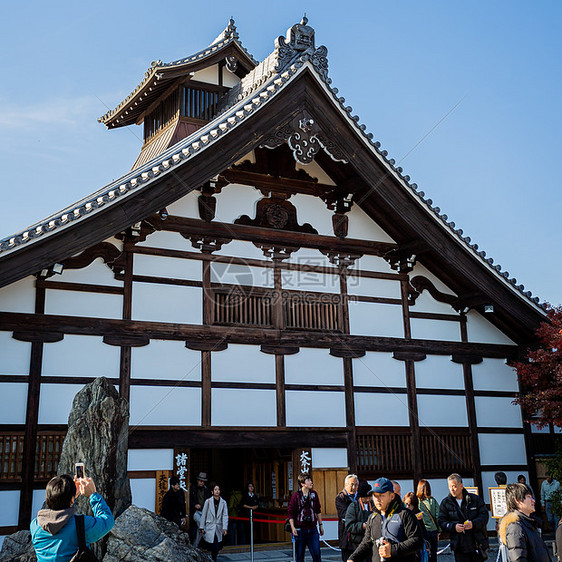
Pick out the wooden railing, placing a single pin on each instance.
(384, 453)
(250, 306)
(47, 455)
(446, 452)
(390, 452)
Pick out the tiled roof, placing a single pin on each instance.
(158, 69)
(254, 91)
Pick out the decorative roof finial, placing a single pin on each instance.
(304, 20)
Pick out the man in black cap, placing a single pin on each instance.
(391, 531)
(357, 515)
(197, 496)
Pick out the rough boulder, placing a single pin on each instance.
(140, 534)
(18, 548)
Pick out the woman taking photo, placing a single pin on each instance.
(214, 522)
(429, 507)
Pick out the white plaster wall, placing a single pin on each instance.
(163, 266)
(167, 303)
(187, 206)
(442, 330)
(315, 409)
(236, 200)
(77, 303)
(37, 501)
(381, 409)
(14, 355)
(237, 274)
(308, 256)
(372, 319)
(13, 402)
(557, 429)
(365, 286)
(439, 488)
(312, 210)
(438, 371)
(362, 226)
(242, 363)
(55, 402)
(97, 273)
(163, 405)
(167, 240)
(442, 411)
(494, 374)
(482, 331)
(169, 360)
(241, 249)
(313, 366)
(229, 79)
(143, 492)
(497, 411)
(372, 263)
(488, 481)
(330, 530)
(209, 75)
(536, 429)
(310, 281)
(84, 356)
(10, 502)
(502, 449)
(378, 369)
(316, 171)
(150, 459)
(329, 458)
(18, 296)
(243, 407)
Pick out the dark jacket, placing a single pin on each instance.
(472, 509)
(193, 498)
(304, 510)
(355, 516)
(343, 501)
(401, 530)
(173, 506)
(521, 536)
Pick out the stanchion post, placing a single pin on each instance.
(252, 535)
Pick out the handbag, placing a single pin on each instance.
(84, 554)
(288, 526)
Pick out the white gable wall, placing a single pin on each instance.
(438, 371)
(14, 355)
(243, 407)
(19, 296)
(165, 360)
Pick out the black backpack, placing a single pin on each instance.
(84, 554)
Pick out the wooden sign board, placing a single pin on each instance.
(302, 463)
(498, 503)
(182, 458)
(472, 490)
(162, 477)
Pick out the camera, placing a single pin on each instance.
(79, 470)
(379, 542)
(307, 518)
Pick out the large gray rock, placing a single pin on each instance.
(18, 548)
(98, 432)
(140, 534)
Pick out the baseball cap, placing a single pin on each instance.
(381, 485)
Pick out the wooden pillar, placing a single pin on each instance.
(471, 408)
(405, 308)
(125, 358)
(31, 421)
(280, 390)
(415, 446)
(277, 303)
(206, 388)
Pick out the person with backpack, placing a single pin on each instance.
(54, 532)
(304, 513)
(356, 517)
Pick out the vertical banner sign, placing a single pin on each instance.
(181, 470)
(161, 488)
(290, 477)
(302, 462)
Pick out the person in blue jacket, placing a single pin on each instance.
(53, 531)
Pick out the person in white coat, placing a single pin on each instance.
(214, 522)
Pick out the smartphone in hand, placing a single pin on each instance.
(79, 470)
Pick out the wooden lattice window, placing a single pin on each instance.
(47, 455)
(446, 451)
(253, 306)
(384, 453)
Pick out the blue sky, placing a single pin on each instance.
(466, 96)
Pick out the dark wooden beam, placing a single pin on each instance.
(205, 389)
(280, 390)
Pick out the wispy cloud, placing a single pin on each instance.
(59, 111)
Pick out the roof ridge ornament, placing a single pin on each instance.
(299, 42)
(229, 32)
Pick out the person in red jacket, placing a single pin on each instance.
(304, 514)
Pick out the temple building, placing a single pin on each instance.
(270, 292)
